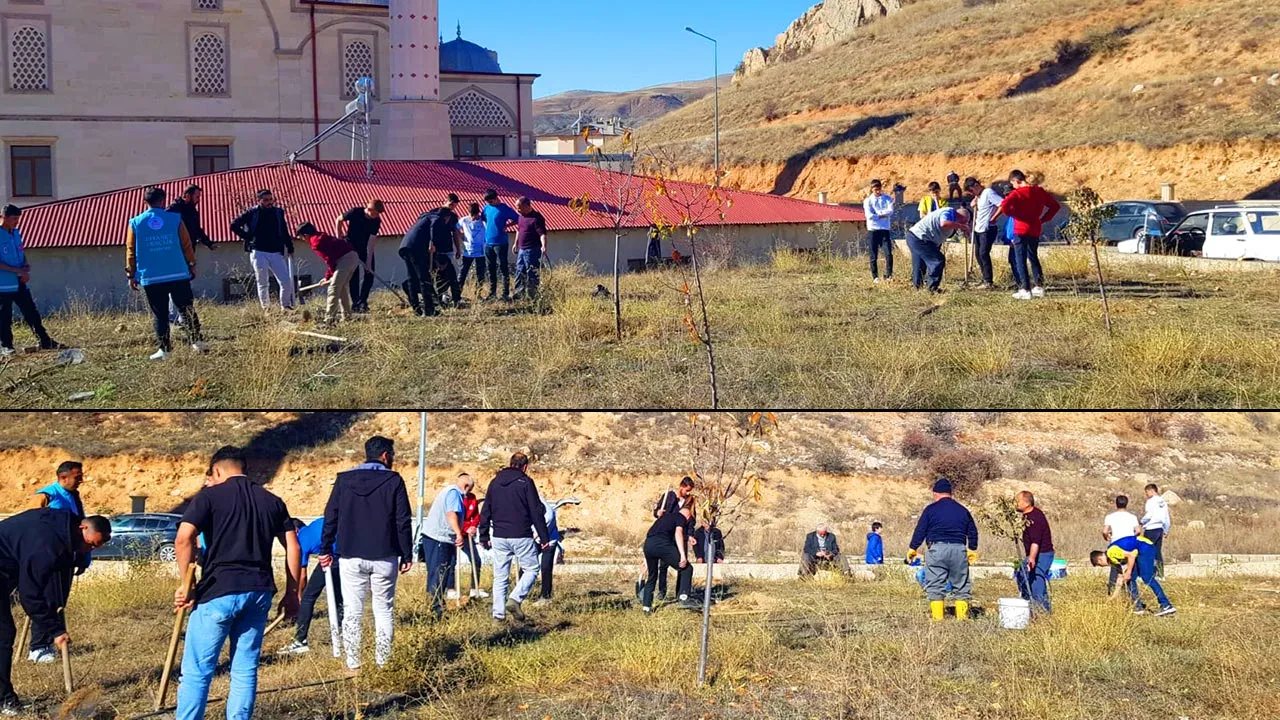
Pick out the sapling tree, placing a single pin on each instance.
(1088, 213)
(618, 202)
(1002, 519)
(725, 446)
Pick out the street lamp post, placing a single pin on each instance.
(715, 49)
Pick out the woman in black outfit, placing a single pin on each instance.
(666, 542)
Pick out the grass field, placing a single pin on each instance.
(779, 650)
(797, 332)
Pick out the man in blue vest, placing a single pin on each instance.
(160, 258)
(15, 273)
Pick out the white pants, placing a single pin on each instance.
(278, 265)
(359, 576)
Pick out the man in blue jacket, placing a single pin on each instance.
(309, 541)
(875, 545)
(512, 514)
(952, 536)
(38, 549)
(367, 523)
(15, 273)
(160, 259)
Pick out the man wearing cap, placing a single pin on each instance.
(878, 208)
(15, 273)
(948, 529)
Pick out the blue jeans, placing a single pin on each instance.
(242, 617)
(926, 260)
(441, 560)
(1145, 570)
(528, 556)
(1034, 585)
(1027, 252)
(528, 263)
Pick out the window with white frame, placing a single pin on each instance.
(473, 109)
(357, 62)
(28, 56)
(208, 64)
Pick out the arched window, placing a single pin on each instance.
(208, 65)
(357, 62)
(208, 4)
(28, 59)
(472, 109)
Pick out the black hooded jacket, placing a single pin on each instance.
(369, 510)
(37, 554)
(513, 508)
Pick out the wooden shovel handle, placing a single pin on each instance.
(181, 615)
(66, 667)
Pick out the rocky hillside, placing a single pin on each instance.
(843, 468)
(555, 114)
(1121, 95)
(826, 24)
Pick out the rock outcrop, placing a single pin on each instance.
(823, 25)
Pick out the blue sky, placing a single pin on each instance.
(616, 46)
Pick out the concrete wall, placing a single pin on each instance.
(95, 276)
(120, 111)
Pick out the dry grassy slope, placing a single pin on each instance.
(842, 467)
(556, 113)
(938, 73)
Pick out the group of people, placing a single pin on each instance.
(971, 208)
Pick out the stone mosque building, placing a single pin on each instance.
(103, 94)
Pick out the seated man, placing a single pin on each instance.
(700, 543)
(822, 550)
(1135, 557)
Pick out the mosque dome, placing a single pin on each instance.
(462, 56)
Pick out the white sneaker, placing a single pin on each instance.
(1037, 291)
(1167, 611)
(1022, 295)
(295, 648)
(159, 354)
(477, 593)
(6, 352)
(199, 347)
(44, 656)
(452, 595)
(875, 281)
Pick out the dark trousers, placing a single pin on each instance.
(497, 255)
(876, 240)
(466, 268)
(447, 278)
(653, 253)
(927, 263)
(1027, 253)
(982, 244)
(442, 558)
(158, 297)
(810, 564)
(417, 263)
(362, 280)
(548, 565)
(1156, 536)
(8, 634)
(27, 306)
(656, 552)
(311, 594)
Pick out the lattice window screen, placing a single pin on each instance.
(28, 59)
(208, 65)
(209, 4)
(357, 62)
(471, 109)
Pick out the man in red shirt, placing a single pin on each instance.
(1030, 207)
(1037, 543)
(471, 526)
(341, 263)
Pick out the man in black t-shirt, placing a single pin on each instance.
(360, 226)
(446, 241)
(666, 542)
(239, 520)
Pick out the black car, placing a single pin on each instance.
(141, 536)
(1137, 218)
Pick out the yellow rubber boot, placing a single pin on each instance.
(937, 609)
(962, 609)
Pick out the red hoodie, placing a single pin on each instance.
(471, 514)
(330, 249)
(1029, 206)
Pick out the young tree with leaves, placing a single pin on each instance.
(1088, 213)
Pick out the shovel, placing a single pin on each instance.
(66, 667)
(187, 580)
(335, 634)
(24, 638)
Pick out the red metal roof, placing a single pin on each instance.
(321, 191)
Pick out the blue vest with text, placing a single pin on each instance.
(11, 254)
(158, 248)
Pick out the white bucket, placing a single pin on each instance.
(1015, 613)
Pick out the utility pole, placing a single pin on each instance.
(715, 49)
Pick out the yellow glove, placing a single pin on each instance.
(972, 555)
(911, 556)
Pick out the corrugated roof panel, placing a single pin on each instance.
(320, 192)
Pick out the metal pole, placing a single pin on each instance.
(422, 470)
(709, 554)
(715, 50)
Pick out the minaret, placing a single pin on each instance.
(417, 121)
